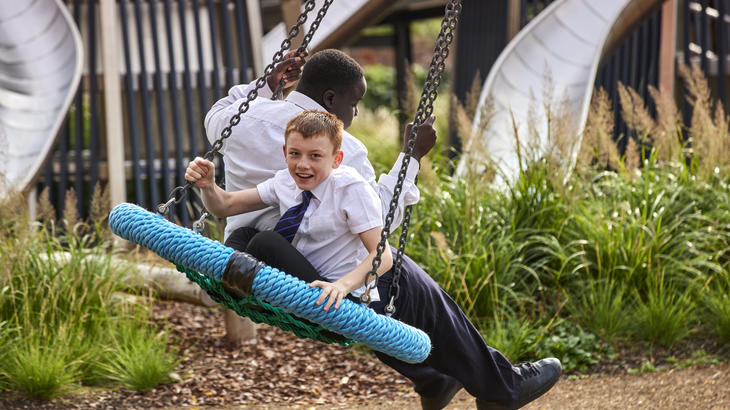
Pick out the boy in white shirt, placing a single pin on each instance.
(328, 211)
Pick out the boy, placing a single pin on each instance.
(328, 212)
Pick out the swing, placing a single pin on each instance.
(265, 294)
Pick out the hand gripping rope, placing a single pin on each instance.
(221, 263)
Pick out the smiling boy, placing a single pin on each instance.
(329, 213)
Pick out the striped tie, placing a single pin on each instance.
(289, 222)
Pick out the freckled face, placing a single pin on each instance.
(310, 160)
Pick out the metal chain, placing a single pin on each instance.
(424, 111)
(279, 92)
(178, 193)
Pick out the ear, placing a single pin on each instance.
(284, 148)
(338, 159)
(328, 99)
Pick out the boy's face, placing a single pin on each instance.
(310, 160)
(344, 104)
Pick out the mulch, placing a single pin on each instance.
(278, 371)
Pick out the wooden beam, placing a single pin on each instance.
(372, 11)
(627, 21)
(668, 46)
(255, 33)
(513, 19)
(290, 10)
(112, 107)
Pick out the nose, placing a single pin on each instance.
(303, 163)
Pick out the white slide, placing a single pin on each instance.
(40, 67)
(562, 45)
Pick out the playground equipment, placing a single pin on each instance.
(238, 281)
(40, 68)
(558, 53)
(344, 19)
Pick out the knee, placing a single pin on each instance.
(263, 242)
(239, 238)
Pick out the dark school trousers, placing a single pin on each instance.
(458, 351)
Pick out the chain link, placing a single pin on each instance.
(424, 111)
(178, 193)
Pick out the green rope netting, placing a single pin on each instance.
(261, 312)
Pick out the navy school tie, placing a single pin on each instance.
(289, 222)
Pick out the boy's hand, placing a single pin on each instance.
(335, 292)
(425, 138)
(201, 172)
(290, 69)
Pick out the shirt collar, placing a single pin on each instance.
(304, 102)
(317, 192)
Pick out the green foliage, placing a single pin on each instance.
(665, 315)
(38, 368)
(60, 322)
(627, 253)
(381, 88)
(717, 302)
(513, 338)
(138, 358)
(602, 307)
(576, 348)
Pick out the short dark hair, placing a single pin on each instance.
(329, 69)
(313, 122)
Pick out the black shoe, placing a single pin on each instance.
(537, 378)
(441, 401)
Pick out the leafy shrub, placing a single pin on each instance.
(576, 348)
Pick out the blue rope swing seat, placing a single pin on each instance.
(218, 264)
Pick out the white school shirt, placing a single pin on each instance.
(253, 153)
(342, 206)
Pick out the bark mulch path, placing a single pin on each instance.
(280, 371)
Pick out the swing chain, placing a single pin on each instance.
(424, 111)
(178, 193)
(279, 92)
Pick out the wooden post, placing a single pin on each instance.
(290, 10)
(513, 19)
(112, 103)
(403, 59)
(668, 46)
(255, 33)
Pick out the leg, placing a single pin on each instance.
(240, 238)
(458, 348)
(272, 249)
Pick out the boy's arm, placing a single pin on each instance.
(220, 113)
(337, 290)
(218, 202)
(410, 194)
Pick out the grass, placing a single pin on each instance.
(138, 359)
(631, 248)
(61, 325)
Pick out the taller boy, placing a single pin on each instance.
(334, 82)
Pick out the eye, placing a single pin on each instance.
(317, 155)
